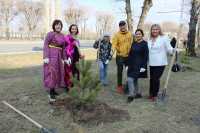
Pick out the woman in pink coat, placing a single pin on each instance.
(53, 60)
(73, 54)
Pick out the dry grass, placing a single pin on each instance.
(27, 60)
(20, 85)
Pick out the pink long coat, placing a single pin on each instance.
(54, 70)
(71, 51)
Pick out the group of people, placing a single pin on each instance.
(133, 53)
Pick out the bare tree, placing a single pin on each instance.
(198, 34)
(129, 13)
(104, 22)
(7, 14)
(33, 12)
(74, 14)
(145, 9)
(84, 26)
(194, 13)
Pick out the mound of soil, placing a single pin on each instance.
(95, 113)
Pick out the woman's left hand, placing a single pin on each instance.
(142, 70)
(82, 56)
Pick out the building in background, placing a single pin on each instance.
(52, 11)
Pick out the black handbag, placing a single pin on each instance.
(176, 67)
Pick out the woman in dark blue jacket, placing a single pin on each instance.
(137, 64)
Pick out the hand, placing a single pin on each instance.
(107, 61)
(142, 70)
(68, 61)
(46, 60)
(126, 68)
(82, 56)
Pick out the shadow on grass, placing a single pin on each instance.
(20, 72)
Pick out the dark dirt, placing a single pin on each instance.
(94, 113)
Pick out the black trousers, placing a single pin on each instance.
(121, 62)
(75, 71)
(155, 75)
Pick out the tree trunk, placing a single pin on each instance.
(58, 14)
(145, 9)
(7, 32)
(129, 15)
(47, 16)
(192, 29)
(84, 28)
(191, 38)
(198, 34)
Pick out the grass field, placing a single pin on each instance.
(21, 85)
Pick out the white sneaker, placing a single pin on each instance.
(52, 98)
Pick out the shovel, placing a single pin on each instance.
(162, 97)
(42, 129)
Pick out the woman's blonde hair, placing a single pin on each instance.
(159, 27)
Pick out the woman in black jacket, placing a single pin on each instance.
(137, 64)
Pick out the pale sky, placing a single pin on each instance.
(153, 16)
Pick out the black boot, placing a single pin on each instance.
(130, 99)
(52, 97)
(54, 92)
(66, 89)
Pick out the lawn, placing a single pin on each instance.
(21, 86)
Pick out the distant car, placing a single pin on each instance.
(37, 49)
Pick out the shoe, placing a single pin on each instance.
(153, 99)
(52, 98)
(120, 90)
(130, 99)
(137, 96)
(66, 89)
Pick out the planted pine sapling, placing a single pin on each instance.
(85, 90)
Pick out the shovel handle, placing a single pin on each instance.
(173, 58)
(22, 114)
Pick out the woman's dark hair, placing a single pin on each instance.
(122, 23)
(56, 22)
(140, 30)
(70, 28)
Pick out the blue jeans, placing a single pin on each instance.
(103, 72)
(133, 86)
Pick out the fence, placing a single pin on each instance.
(21, 36)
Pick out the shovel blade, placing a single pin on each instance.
(162, 97)
(45, 130)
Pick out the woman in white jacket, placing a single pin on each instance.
(159, 46)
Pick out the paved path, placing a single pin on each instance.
(25, 46)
